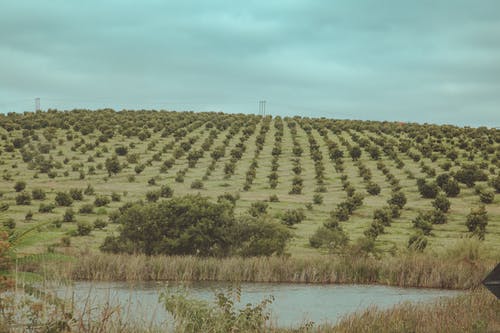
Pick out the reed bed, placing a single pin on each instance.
(473, 312)
(411, 270)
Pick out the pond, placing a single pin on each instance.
(293, 305)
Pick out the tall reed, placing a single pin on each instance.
(409, 270)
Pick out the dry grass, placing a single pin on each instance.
(408, 270)
(473, 312)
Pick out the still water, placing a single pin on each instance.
(293, 305)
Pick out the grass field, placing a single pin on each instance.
(31, 141)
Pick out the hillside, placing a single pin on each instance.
(291, 163)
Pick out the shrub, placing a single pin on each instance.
(258, 208)
(174, 227)
(100, 224)
(476, 222)
(451, 188)
(23, 198)
(427, 190)
(166, 191)
(197, 184)
(46, 208)
(330, 238)
(86, 209)
(417, 242)
(398, 199)
(38, 194)
(121, 150)
(28, 216)
(63, 199)
(383, 215)
(19, 186)
(113, 165)
(83, 228)
(69, 215)
(373, 188)
(486, 197)
(9, 223)
(76, 194)
(317, 199)
(423, 222)
(495, 183)
(441, 203)
(153, 196)
(101, 200)
(89, 190)
(115, 197)
(139, 168)
(293, 216)
(274, 198)
(258, 236)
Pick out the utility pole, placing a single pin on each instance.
(262, 108)
(37, 104)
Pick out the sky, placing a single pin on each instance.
(418, 61)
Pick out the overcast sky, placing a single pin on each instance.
(423, 61)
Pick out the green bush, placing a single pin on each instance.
(417, 242)
(84, 228)
(166, 191)
(486, 196)
(100, 224)
(258, 208)
(63, 199)
(101, 200)
(46, 208)
(38, 194)
(19, 186)
(397, 199)
(373, 188)
(69, 215)
(23, 198)
(330, 238)
(76, 194)
(441, 203)
(153, 196)
(293, 216)
(192, 225)
(86, 209)
(197, 184)
(476, 222)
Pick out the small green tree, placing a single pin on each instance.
(476, 222)
(113, 165)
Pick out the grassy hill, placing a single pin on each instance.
(291, 163)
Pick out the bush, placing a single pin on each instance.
(438, 217)
(486, 197)
(46, 208)
(69, 215)
(83, 228)
(191, 225)
(383, 215)
(86, 209)
(63, 199)
(451, 188)
(317, 199)
(417, 242)
(197, 184)
(330, 238)
(19, 186)
(373, 188)
(101, 200)
(427, 190)
(274, 198)
(423, 222)
(293, 216)
(23, 198)
(76, 194)
(397, 199)
(166, 191)
(9, 223)
(153, 196)
(100, 224)
(89, 190)
(258, 208)
(115, 197)
(476, 222)
(441, 203)
(258, 236)
(38, 194)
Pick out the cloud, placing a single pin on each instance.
(383, 60)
